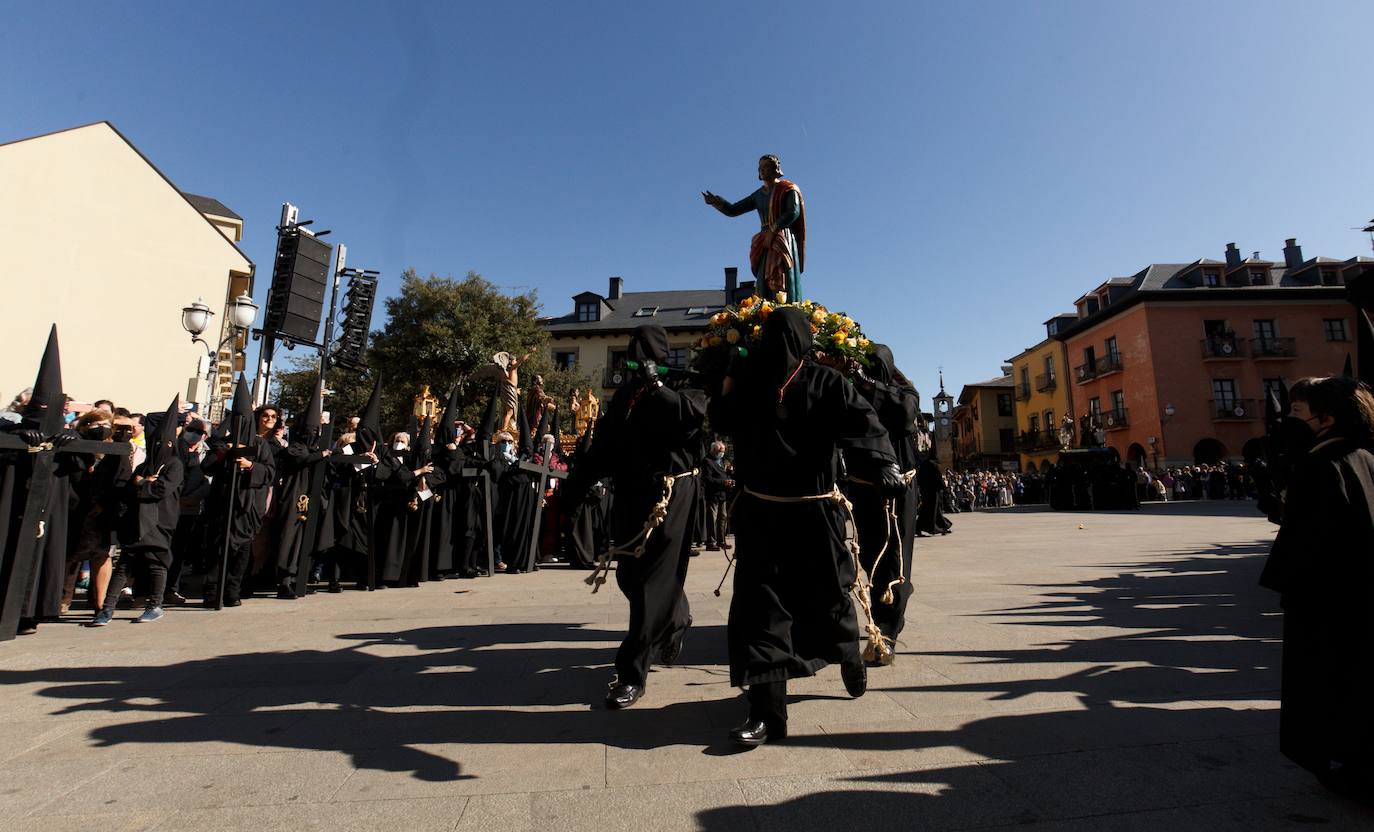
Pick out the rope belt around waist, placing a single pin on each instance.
(637, 545)
(877, 648)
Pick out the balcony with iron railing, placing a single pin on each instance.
(1023, 392)
(1116, 419)
(1037, 440)
(1263, 348)
(1104, 366)
(1045, 382)
(1228, 410)
(1223, 346)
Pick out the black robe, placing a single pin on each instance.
(648, 432)
(350, 517)
(449, 493)
(930, 516)
(791, 613)
(519, 497)
(151, 509)
(469, 512)
(393, 489)
(898, 407)
(298, 466)
(249, 504)
(49, 575)
(1322, 564)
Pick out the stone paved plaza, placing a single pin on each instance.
(1119, 676)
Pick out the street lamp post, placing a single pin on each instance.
(195, 319)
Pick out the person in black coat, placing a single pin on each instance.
(716, 483)
(149, 518)
(888, 541)
(648, 443)
(298, 465)
(1322, 566)
(791, 613)
(240, 509)
(930, 483)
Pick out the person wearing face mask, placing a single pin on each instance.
(394, 487)
(791, 420)
(188, 539)
(716, 484)
(1322, 566)
(520, 498)
(148, 520)
(89, 534)
(648, 443)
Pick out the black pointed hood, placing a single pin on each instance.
(421, 443)
(545, 428)
(527, 440)
(584, 443)
(487, 429)
(884, 366)
(649, 342)
(307, 428)
(47, 405)
(370, 423)
(554, 427)
(1349, 369)
(785, 340)
(1364, 345)
(447, 434)
(413, 428)
(160, 435)
(240, 417)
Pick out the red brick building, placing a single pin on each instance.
(1174, 361)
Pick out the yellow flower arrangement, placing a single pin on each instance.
(838, 339)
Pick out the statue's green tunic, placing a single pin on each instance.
(787, 217)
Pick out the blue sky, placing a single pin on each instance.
(969, 168)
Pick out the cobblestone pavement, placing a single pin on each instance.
(1122, 675)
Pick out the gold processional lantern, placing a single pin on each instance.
(426, 404)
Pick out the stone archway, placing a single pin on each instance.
(1209, 451)
(1136, 455)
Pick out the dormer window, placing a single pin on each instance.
(1211, 278)
(588, 311)
(1331, 277)
(1259, 277)
(696, 310)
(646, 312)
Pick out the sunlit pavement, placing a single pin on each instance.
(1122, 675)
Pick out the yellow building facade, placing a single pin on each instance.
(984, 421)
(1042, 391)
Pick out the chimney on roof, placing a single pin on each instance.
(731, 283)
(617, 286)
(1232, 256)
(1292, 253)
(1006, 370)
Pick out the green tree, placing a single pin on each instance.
(439, 331)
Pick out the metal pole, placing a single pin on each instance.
(228, 514)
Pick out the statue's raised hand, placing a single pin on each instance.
(712, 199)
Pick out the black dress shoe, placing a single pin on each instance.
(855, 676)
(621, 697)
(755, 732)
(334, 587)
(286, 592)
(233, 602)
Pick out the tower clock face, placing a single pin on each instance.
(945, 421)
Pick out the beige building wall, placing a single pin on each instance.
(593, 353)
(94, 238)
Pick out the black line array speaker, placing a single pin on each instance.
(299, 279)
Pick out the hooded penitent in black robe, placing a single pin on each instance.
(1322, 564)
(649, 431)
(519, 498)
(898, 406)
(590, 514)
(420, 525)
(243, 507)
(448, 460)
(152, 506)
(42, 420)
(791, 613)
(930, 516)
(299, 464)
(392, 487)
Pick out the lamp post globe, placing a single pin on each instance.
(245, 312)
(195, 318)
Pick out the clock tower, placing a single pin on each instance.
(944, 424)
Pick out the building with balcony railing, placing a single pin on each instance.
(1040, 413)
(985, 422)
(1176, 359)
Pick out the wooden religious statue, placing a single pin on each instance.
(426, 405)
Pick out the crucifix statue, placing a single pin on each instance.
(505, 368)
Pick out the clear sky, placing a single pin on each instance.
(970, 168)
